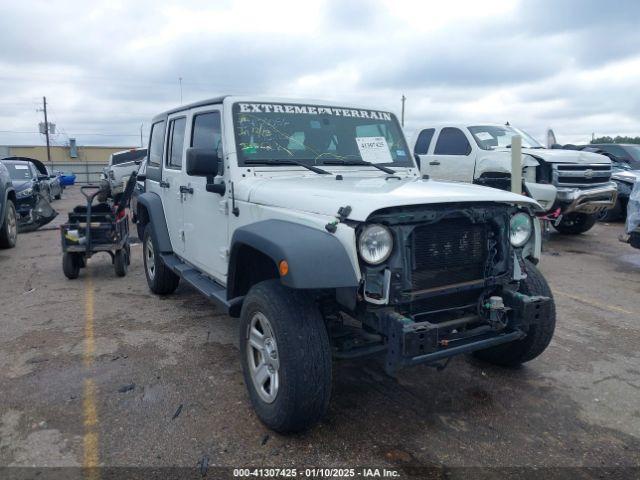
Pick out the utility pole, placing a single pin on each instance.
(402, 118)
(141, 125)
(180, 82)
(46, 128)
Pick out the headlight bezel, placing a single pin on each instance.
(27, 192)
(361, 247)
(524, 240)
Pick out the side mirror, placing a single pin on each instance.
(137, 162)
(141, 177)
(43, 177)
(202, 162)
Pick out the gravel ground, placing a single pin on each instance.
(98, 371)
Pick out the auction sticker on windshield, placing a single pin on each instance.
(374, 149)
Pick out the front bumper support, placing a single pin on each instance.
(588, 200)
(412, 343)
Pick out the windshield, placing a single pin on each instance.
(634, 152)
(313, 134)
(489, 137)
(19, 171)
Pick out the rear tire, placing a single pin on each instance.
(9, 230)
(120, 262)
(538, 336)
(160, 279)
(71, 263)
(576, 223)
(288, 323)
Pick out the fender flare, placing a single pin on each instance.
(317, 259)
(158, 222)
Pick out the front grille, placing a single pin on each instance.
(573, 175)
(448, 252)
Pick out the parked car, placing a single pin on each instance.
(55, 186)
(8, 213)
(311, 223)
(572, 186)
(633, 217)
(32, 192)
(625, 160)
(49, 187)
(67, 179)
(120, 167)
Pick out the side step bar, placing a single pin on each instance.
(206, 286)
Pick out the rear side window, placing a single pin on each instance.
(176, 142)
(452, 142)
(156, 143)
(424, 140)
(206, 131)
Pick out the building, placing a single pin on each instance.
(86, 162)
(62, 154)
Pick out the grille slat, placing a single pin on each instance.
(448, 252)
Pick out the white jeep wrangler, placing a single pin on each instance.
(311, 222)
(573, 187)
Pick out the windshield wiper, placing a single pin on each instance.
(352, 162)
(288, 162)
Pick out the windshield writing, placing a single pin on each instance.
(315, 134)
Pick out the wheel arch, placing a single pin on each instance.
(9, 194)
(151, 210)
(316, 259)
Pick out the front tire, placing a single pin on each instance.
(539, 335)
(9, 230)
(576, 223)
(286, 357)
(160, 279)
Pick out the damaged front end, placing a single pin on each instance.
(450, 285)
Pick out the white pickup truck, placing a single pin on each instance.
(121, 165)
(572, 186)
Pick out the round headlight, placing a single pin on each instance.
(375, 244)
(520, 229)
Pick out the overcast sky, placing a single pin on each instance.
(108, 67)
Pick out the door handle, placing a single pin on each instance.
(164, 184)
(435, 162)
(184, 189)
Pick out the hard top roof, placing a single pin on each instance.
(201, 103)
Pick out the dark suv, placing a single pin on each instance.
(8, 216)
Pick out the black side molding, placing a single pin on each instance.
(205, 285)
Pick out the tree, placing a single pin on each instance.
(617, 139)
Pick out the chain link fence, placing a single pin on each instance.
(85, 172)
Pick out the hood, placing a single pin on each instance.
(629, 176)
(323, 194)
(565, 156)
(20, 185)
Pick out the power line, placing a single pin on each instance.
(80, 133)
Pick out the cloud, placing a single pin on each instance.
(107, 67)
